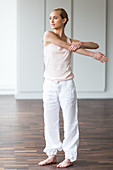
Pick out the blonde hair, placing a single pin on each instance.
(63, 14)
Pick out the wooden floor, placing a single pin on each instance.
(22, 141)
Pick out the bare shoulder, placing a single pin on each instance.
(46, 37)
(47, 34)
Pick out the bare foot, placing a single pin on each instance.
(49, 160)
(64, 163)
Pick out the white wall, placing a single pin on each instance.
(32, 22)
(89, 24)
(108, 92)
(7, 46)
(109, 70)
(30, 29)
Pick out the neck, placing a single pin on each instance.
(60, 32)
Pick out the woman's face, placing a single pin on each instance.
(56, 21)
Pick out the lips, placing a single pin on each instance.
(52, 24)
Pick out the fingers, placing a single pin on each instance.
(103, 58)
(74, 46)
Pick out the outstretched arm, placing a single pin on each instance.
(91, 45)
(88, 45)
(96, 55)
(51, 37)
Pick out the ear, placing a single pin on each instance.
(64, 20)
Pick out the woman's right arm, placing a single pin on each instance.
(51, 37)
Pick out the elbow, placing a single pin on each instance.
(97, 46)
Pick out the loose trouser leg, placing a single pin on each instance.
(69, 107)
(51, 119)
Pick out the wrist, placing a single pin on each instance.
(81, 44)
(92, 54)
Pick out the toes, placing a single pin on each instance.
(46, 162)
(64, 165)
(42, 163)
(60, 166)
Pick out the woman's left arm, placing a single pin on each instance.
(96, 55)
(87, 45)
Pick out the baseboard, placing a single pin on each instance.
(99, 95)
(25, 95)
(38, 95)
(7, 91)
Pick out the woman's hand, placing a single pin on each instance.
(99, 56)
(74, 46)
(96, 55)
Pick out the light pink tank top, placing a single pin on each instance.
(57, 62)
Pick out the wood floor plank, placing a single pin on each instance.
(22, 135)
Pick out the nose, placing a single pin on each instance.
(52, 20)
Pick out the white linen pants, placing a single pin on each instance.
(56, 94)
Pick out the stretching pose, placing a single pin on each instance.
(59, 89)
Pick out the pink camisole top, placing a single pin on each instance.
(57, 62)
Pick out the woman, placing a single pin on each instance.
(59, 89)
